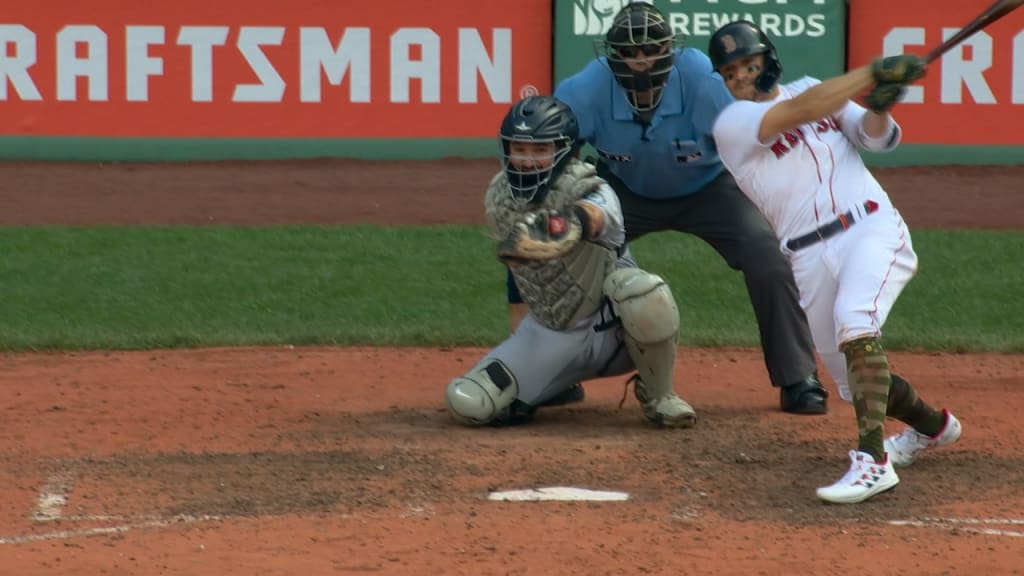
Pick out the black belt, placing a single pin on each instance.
(831, 229)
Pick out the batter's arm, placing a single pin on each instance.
(868, 130)
(877, 124)
(815, 103)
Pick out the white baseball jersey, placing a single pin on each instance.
(810, 177)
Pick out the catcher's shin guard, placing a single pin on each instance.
(650, 320)
(652, 384)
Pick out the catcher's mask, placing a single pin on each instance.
(640, 33)
(740, 39)
(537, 120)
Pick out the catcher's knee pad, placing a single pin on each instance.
(482, 395)
(650, 319)
(644, 303)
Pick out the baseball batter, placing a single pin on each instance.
(793, 149)
(591, 311)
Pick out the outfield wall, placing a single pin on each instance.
(119, 80)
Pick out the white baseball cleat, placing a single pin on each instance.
(865, 479)
(903, 448)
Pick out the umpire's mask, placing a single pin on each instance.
(639, 49)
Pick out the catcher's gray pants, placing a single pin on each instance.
(545, 362)
(721, 215)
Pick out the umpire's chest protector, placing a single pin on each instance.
(560, 292)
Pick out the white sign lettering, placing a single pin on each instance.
(271, 86)
(775, 25)
(351, 55)
(201, 40)
(414, 63)
(426, 69)
(139, 66)
(962, 69)
(494, 71)
(15, 68)
(1017, 90)
(92, 66)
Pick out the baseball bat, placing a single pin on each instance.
(994, 12)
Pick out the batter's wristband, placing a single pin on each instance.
(584, 218)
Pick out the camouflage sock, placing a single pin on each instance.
(906, 406)
(870, 381)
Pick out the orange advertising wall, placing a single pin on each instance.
(974, 94)
(268, 69)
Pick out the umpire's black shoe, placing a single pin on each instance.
(807, 396)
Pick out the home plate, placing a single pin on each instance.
(564, 493)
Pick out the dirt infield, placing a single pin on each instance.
(284, 461)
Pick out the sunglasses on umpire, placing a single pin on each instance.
(634, 51)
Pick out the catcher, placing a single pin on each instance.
(591, 311)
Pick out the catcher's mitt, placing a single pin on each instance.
(542, 235)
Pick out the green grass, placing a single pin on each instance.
(138, 288)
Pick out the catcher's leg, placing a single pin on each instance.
(486, 395)
(650, 320)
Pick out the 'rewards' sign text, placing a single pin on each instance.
(251, 68)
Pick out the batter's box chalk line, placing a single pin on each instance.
(559, 493)
(984, 526)
(53, 497)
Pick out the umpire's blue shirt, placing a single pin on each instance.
(675, 155)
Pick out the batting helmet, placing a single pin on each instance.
(537, 119)
(640, 30)
(743, 38)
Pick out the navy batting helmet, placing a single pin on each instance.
(538, 119)
(640, 30)
(740, 39)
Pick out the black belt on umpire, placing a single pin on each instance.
(829, 230)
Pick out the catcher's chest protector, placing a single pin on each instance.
(563, 291)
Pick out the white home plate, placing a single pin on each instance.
(564, 493)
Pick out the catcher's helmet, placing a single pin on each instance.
(537, 119)
(740, 39)
(640, 30)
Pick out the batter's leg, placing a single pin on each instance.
(870, 381)
(818, 289)
(906, 406)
